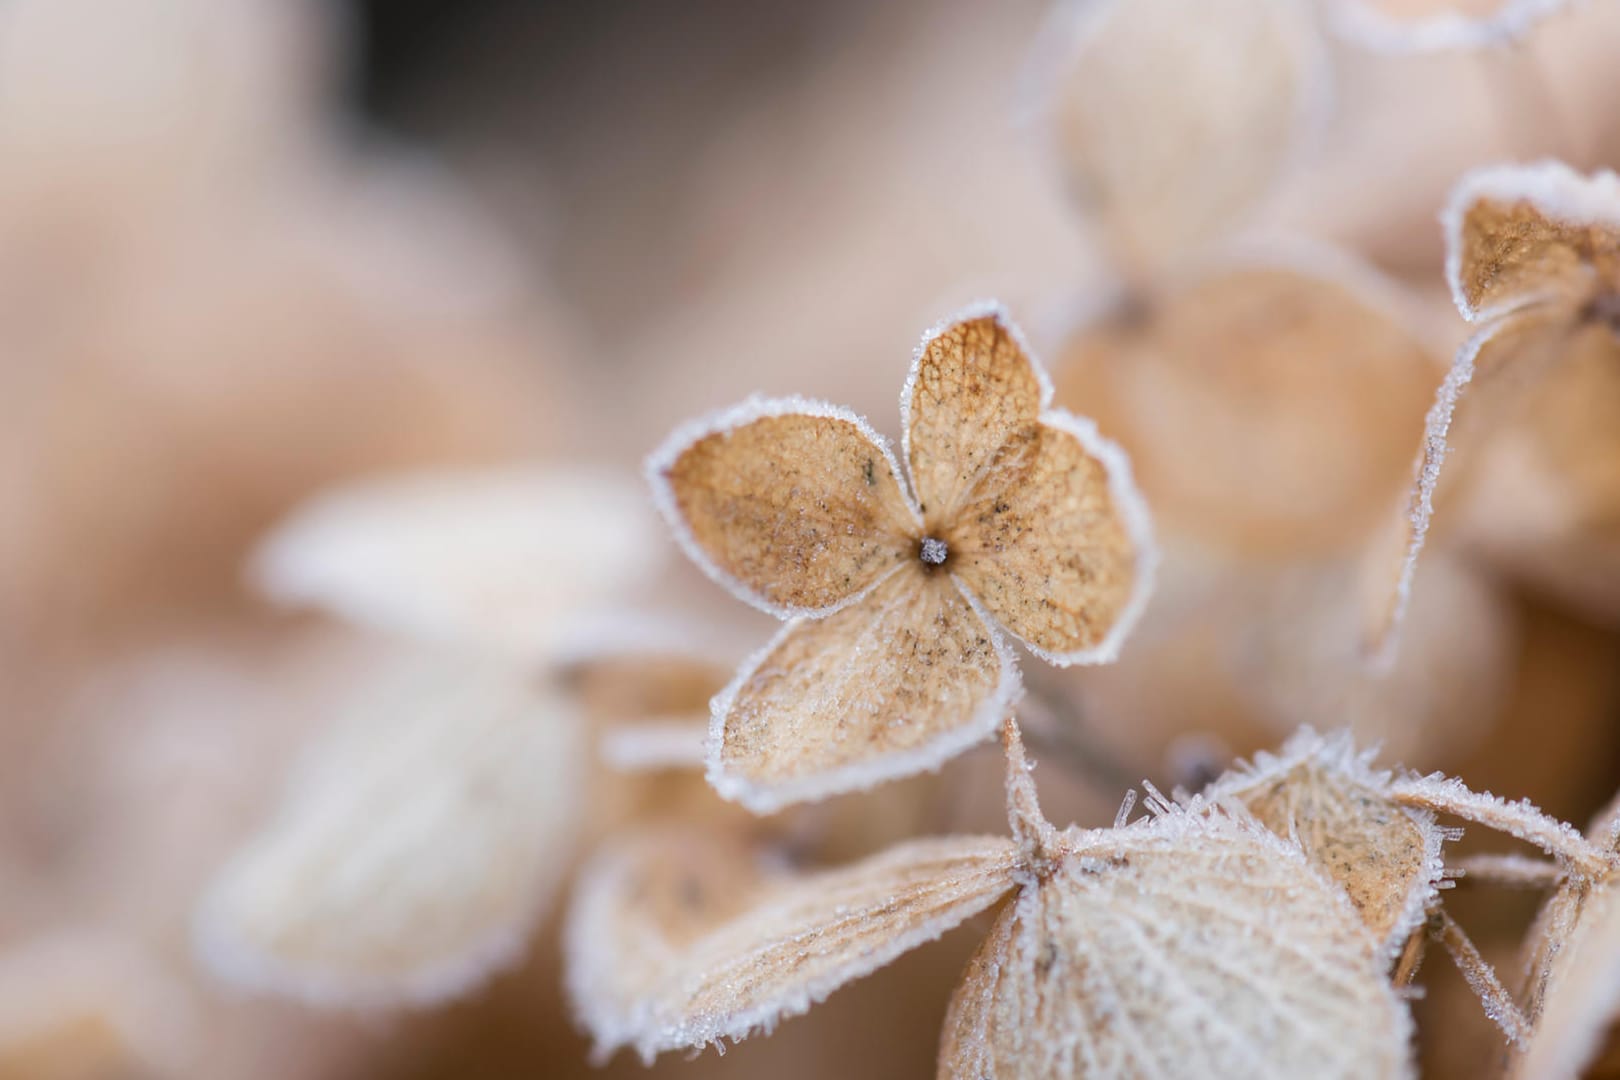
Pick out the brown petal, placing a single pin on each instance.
(1326, 796)
(794, 505)
(1172, 121)
(1055, 542)
(1518, 234)
(1188, 941)
(895, 683)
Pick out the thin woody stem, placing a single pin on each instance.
(1406, 968)
(1511, 871)
(1482, 979)
(1517, 819)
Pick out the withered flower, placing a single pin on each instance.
(1017, 518)
(1188, 936)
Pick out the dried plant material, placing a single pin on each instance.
(85, 1005)
(1481, 978)
(416, 848)
(1327, 797)
(1134, 951)
(491, 558)
(1533, 253)
(1171, 123)
(1513, 871)
(801, 938)
(1019, 518)
(1268, 405)
(1573, 963)
(1439, 25)
(1521, 819)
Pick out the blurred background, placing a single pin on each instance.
(256, 250)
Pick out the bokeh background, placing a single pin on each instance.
(253, 249)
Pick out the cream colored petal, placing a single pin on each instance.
(1402, 26)
(1268, 405)
(1577, 999)
(896, 683)
(807, 937)
(639, 905)
(1184, 944)
(1038, 514)
(490, 558)
(1056, 543)
(793, 505)
(649, 707)
(1516, 234)
(417, 847)
(1486, 384)
(1325, 795)
(1171, 122)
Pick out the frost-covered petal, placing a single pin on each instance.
(638, 906)
(897, 682)
(1269, 404)
(1172, 121)
(807, 936)
(794, 505)
(415, 849)
(1326, 796)
(1435, 25)
(1189, 942)
(492, 558)
(1517, 234)
(1037, 514)
(1577, 998)
(1480, 393)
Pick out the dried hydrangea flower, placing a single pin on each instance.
(1573, 994)
(1533, 256)
(1325, 795)
(1124, 951)
(1436, 25)
(1019, 521)
(416, 848)
(1172, 121)
(491, 558)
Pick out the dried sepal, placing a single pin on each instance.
(1572, 996)
(1326, 796)
(1190, 937)
(793, 505)
(415, 848)
(485, 558)
(1523, 234)
(799, 939)
(893, 685)
(1171, 123)
(1404, 27)
(1521, 820)
(1237, 391)
(638, 905)
(1027, 522)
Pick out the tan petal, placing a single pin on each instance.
(1172, 122)
(893, 684)
(1577, 999)
(1038, 514)
(808, 937)
(649, 702)
(639, 905)
(1269, 405)
(1516, 234)
(490, 558)
(793, 505)
(1437, 25)
(1481, 392)
(1187, 941)
(416, 848)
(1325, 795)
(1056, 543)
